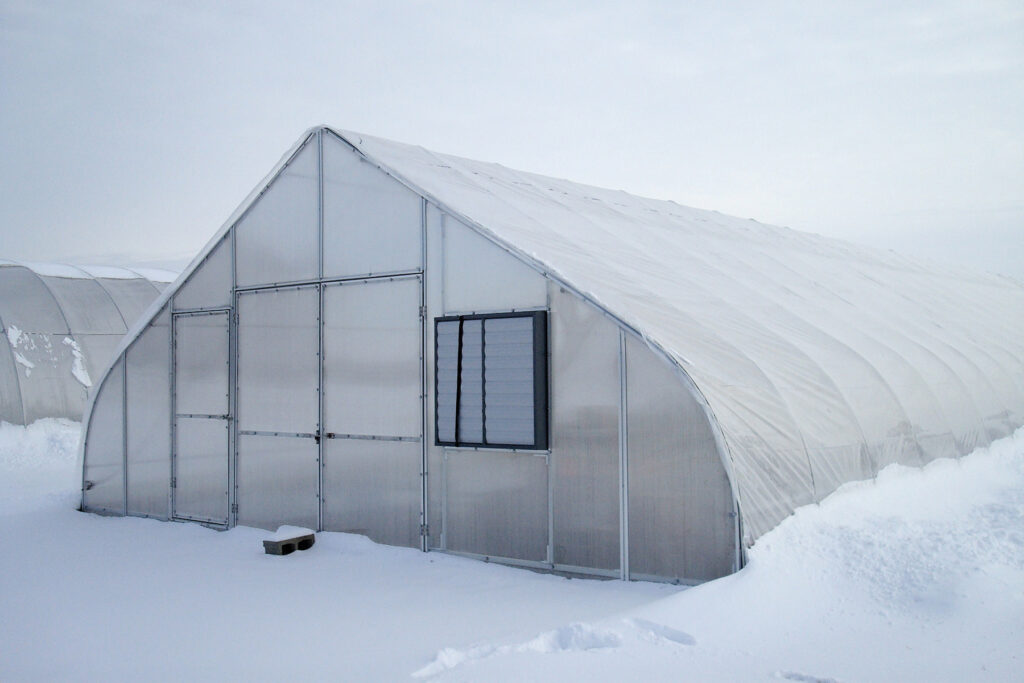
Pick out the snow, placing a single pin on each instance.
(53, 269)
(78, 365)
(285, 532)
(918, 575)
(110, 272)
(14, 336)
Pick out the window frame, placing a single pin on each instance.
(541, 380)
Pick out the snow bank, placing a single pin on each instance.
(918, 576)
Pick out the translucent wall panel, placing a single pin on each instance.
(104, 447)
(201, 469)
(373, 488)
(277, 239)
(87, 308)
(149, 421)
(209, 285)
(132, 297)
(585, 434)
(277, 481)
(680, 504)
(372, 223)
(372, 346)
(498, 504)
(480, 276)
(201, 364)
(278, 368)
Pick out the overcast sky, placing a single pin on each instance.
(130, 130)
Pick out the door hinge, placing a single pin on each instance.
(424, 529)
(234, 508)
(423, 311)
(174, 482)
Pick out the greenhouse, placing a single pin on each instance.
(455, 356)
(61, 325)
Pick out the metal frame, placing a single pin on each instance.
(173, 315)
(541, 381)
(623, 463)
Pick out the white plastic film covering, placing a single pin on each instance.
(820, 361)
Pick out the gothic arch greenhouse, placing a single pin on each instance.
(452, 355)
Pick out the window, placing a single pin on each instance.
(491, 380)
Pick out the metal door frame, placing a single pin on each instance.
(229, 323)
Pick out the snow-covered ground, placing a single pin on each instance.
(918, 576)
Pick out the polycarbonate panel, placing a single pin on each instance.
(104, 447)
(681, 523)
(373, 488)
(509, 381)
(50, 385)
(372, 223)
(209, 285)
(149, 421)
(277, 239)
(87, 308)
(201, 459)
(26, 304)
(372, 347)
(278, 342)
(132, 297)
(498, 504)
(277, 481)
(201, 364)
(584, 435)
(479, 276)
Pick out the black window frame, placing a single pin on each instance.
(540, 382)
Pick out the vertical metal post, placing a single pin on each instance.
(124, 427)
(320, 427)
(233, 324)
(174, 409)
(623, 463)
(424, 472)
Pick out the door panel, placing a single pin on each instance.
(373, 414)
(278, 407)
(201, 424)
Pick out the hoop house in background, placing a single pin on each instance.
(61, 325)
(453, 355)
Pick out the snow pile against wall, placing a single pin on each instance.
(60, 327)
(915, 576)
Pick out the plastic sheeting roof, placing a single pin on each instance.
(821, 361)
(61, 325)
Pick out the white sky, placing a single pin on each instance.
(130, 130)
